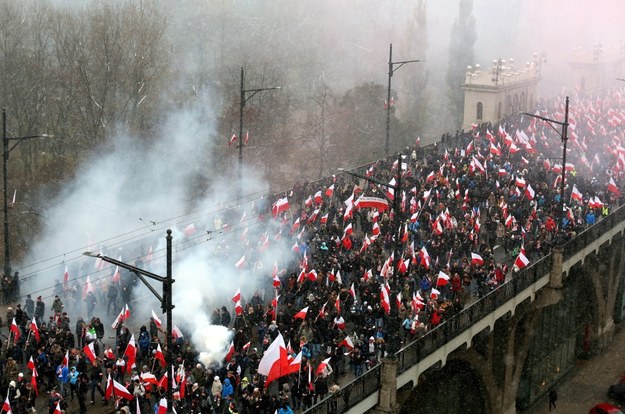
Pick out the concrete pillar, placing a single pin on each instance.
(555, 278)
(388, 387)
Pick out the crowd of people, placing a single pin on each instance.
(364, 279)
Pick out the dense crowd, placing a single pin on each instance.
(362, 282)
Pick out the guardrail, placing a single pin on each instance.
(357, 390)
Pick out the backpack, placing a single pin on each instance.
(144, 340)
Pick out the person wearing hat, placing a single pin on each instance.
(40, 309)
(29, 306)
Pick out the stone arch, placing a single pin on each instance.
(457, 387)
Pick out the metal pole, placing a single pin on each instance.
(5, 161)
(387, 147)
(565, 126)
(168, 307)
(241, 106)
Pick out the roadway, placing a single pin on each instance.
(588, 382)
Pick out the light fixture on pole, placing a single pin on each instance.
(5, 160)
(391, 70)
(243, 99)
(165, 300)
(564, 137)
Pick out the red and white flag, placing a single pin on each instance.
(237, 296)
(65, 362)
(434, 294)
(576, 194)
(347, 343)
(156, 320)
(131, 353)
(274, 363)
(238, 308)
(6, 407)
(241, 263)
(15, 330)
(476, 259)
(230, 352)
(529, 192)
(66, 278)
(115, 389)
(301, 314)
(521, 261)
(89, 352)
(613, 188)
(160, 357)
(442, 279)
(189, 230)
(322, 366)
(162, 406)
(384, 299)
(35, 329)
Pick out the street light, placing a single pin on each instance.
(5, 160)
(391, 70)
(564, 137)
(166, 302)
(242, 101)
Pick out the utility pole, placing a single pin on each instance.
(391, 71)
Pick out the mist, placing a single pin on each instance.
(123, 199)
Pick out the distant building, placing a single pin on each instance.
(596, 69)
(501, 90)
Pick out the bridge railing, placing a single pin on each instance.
(358, 389)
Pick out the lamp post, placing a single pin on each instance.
(391, 70)
(242, 100)
(5, 160)
(166, 302)
(564, 137)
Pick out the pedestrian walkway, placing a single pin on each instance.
(588, 382)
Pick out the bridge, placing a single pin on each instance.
(597, 254)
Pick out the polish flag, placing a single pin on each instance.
(295, 365)
(6, 407)
(521, 261)
(232, 139)
(337, 304)
(376, 229)
(109, 353)
(301, 314)
(33, 378)
(425, 258)
(66, 278)
(312, 275)
(398, 300)
(494, 150)
(238, 308)
(35, 329)
(189, 230)
(276, 281)
(31, 364)
(274, 363)
(237, 296)
(330, 191)
(87, 287)
(384, 300)
(15, 330)
(347, 343)
(613, 188)
(126, 312)
(89, 351)
(58, 410)
(241, 263)
(529, 192)
(131, 353)
(115, 389)
(116, 275)
(520, 182)
(162, 406)
(176, 332)
(576, 194)
(157, 321)
(160, 357)
(120, 318)
(230, 353)
(430, 177)
(352, 291)
(149, 378)
(434, 294)
(339, 322)
(247, 346)
(476, 259)
(442, 279)
(65, 362)
(348, 230)
(280, 206)
(417, 302)
(324, 219)
(318, 198)
(322, 366)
